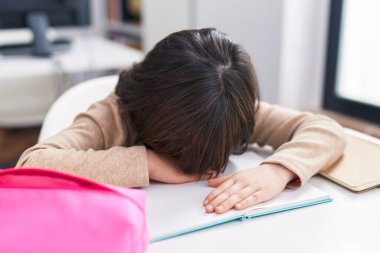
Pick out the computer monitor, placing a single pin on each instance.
(38, 15)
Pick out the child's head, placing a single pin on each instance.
(193, 98)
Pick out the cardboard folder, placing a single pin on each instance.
(359, 168)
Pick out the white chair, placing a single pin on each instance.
(75, 100)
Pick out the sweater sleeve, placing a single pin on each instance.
(304, 143)
(92, 147)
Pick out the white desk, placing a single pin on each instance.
(29, 85)
(351, 223)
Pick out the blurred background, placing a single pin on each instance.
(322, 56)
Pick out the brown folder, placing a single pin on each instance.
(359, 167)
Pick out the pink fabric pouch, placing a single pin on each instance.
(48, 211)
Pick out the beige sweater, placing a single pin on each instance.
(100, 147)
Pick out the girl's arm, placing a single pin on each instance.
(304, 144)
(92, 147)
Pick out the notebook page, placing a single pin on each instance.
(175, 209)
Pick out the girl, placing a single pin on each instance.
(176, 116)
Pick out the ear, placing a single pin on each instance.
(215, 182)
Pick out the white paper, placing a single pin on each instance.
(173, 209)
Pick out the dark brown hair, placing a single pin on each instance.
(193, 98)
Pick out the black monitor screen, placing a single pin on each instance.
(59, 12)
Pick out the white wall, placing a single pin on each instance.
(304, 38)
(285, 38)
(162, 17)
(242, 19)
(255, 24)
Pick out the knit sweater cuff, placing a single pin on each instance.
(135, 174)
(302, 177)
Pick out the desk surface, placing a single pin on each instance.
(348, 224)
(29, 85)
(86, 53)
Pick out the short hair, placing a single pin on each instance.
(192, 98)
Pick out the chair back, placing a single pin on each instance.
(74, 101)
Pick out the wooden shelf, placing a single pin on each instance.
(356, 124)
(128, 29)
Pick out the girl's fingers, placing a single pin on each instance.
(223, 196)
(226, 184)
(249, 201)
(235, 198)
(215, 182)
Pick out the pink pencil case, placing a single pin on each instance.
(48, 211)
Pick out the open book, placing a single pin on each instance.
(174, 210)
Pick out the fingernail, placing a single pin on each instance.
(209, 208)
(219, 208)
(205, 202)
(238, 205)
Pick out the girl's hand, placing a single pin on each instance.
(163, 169)
(247, 188)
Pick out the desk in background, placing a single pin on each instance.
(29, 85)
